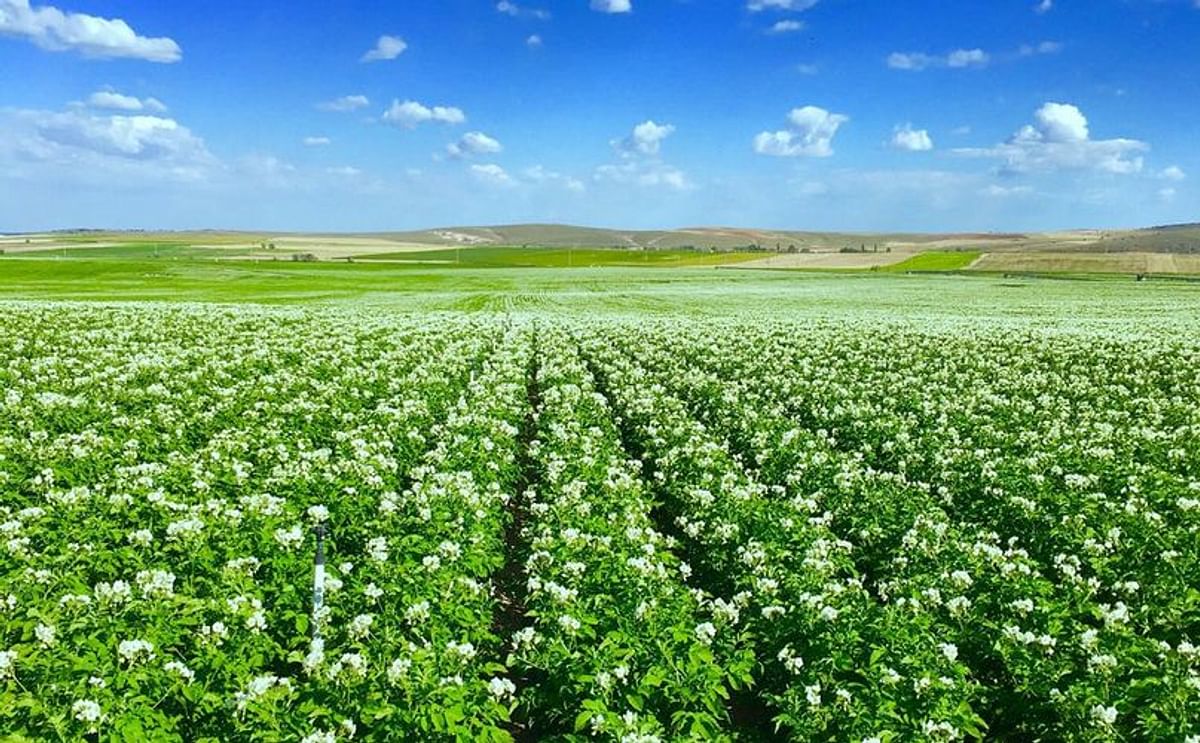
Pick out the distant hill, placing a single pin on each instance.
(1182, 238)
(720, 238)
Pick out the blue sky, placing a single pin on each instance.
(804, 114)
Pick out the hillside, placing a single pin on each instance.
(1167, 249)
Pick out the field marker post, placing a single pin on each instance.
(318, 582)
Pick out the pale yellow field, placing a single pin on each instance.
(829, 260)
(1133, 262)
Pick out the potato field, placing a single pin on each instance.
(540, 527)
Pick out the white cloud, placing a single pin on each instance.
(807, 69)
(646, 139)
(755, 6)
(316, 141)
(612, 6)
(104, 38)
(1045, 47)
(959, 58)
(411, 113)
(967, 58)
(786, 27)
(811, 133)
(1174, 172)
(912, 140)
(909, 60)
(645, 173)
(1003, 192)
(493, 175)
(387, 47)
(344, 171)
(1062, 122)
(534, 41)
(539, 174)
(642, 166)
(268, 170)
(113, 101)
(1060, 140)
(136, 137)
(473, 143)
(345, 103)
(1045, 6)
(512, 9)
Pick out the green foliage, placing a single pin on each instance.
(935, 260)
(564, 516)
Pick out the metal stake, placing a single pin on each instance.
(318, 582)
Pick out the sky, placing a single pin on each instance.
(852, 115)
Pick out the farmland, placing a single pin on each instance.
(618, 504)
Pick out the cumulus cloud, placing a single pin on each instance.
(786, 27)
(967, 58)
(1045, 6)
(345, 103)
(492, 175)
(104, 38)
(1060, 139)
(641, 164)
(916, 61)
(612, 6)
(810, 134)
(473, 143)
(316, 141)
(344, 171)
(539, 174)
(387, 47)
(910, 60)
(411, 113)
(516, 11)
(1060, 122)
(132, 148)
(1173, 173)
(113, 101)
(755, 6)
(646, 139)
(534, 41)
(135, 137)
(645, 173)
(912, 140)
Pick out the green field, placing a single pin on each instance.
(615, 503)
(504, 257)
(137, 251)
(935, 260)
(617, 289)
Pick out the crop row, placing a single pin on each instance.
(1055, 655)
